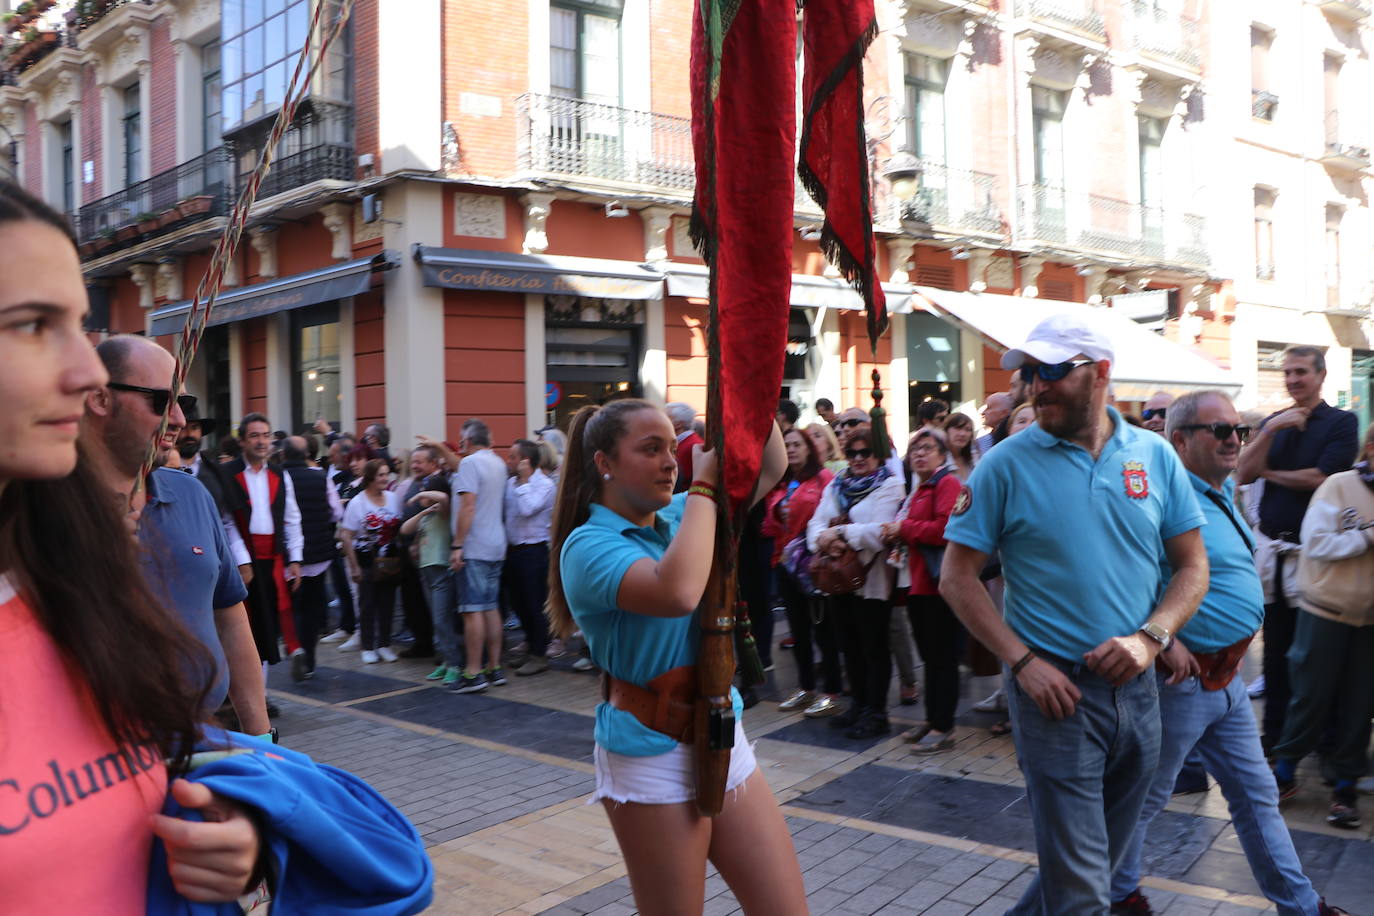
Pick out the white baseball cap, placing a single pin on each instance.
(1060, 338)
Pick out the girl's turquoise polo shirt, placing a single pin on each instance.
(633, 647)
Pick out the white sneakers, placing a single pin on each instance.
(352, 643)
(386, 654)
(370, 658)
(336, 636)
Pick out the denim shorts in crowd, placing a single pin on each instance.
(479, 586)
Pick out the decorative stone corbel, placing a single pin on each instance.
(978, 261)
(1084, 81)
(899, 253)
(537, 205)
(968, 30)
(338, 219)
(143, 277)
(1094, 284)
(264, 242)
(169, 279)
(1031, 268)
(901, 10)
(231, 271)
(657, 222)
(1027, 47)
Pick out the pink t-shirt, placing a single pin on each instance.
(75, 835)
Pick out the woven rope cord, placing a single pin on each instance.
(207, 291)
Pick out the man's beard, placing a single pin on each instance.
(1076, 417)
(187, 448)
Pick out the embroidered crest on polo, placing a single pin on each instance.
(963, 501)
(1137, 483)
(198, 551)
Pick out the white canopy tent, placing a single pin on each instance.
(1145, 361)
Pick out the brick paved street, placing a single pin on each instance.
(497, 784)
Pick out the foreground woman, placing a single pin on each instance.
(629, 562)
(94, 674)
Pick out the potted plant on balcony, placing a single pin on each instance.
(7, 22)
(169, 217)
(104, 239)
(127, 232)
(32, 47)
(148, 221)
(88, 12)
(23, 15)
(196, 206)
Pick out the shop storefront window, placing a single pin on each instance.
(932, 352)
(214, 350)
(1362, 386)
(592, 353)
(316, 394)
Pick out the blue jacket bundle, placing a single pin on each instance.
(334, 844)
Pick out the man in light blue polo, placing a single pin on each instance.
(1084, 508)
(1202, 699)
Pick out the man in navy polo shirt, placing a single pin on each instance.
(1296, 449)
(186, 557)
(1202, 701)
(1084, 509)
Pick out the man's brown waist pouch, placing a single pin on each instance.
(667, 704)
(1217, 669)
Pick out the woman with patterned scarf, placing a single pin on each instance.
(852, 512)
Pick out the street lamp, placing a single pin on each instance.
(903, 171)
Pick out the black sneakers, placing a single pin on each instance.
(1344, 812)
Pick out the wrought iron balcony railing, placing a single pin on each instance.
(1054, 217)
(1075, 14)
(1165, 34)
(947, 198)
(563, 136)
(195, 189)
(314, 163)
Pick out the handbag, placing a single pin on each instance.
(934, 558)
(386, 566)
(843, 573)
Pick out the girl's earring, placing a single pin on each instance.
(606, 476)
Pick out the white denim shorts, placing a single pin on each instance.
(664, 779)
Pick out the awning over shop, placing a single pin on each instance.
(501, 271)
(1145, 361)
(690, 280)
(337, 281)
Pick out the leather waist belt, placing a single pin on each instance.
(667, 704)
(513, 548)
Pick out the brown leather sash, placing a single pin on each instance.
(666, 704)
(1217, 669)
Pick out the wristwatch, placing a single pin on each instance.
(1158, 634)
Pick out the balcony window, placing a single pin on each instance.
(211, 96)
(260, 41)
(68, 164)
(1263, 102)
(1151, 134)
(1264, 233)
(133, 136)
(925, 106)
(1334, 214)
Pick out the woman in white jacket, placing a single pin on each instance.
(852, 512)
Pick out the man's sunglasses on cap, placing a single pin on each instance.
(158, 397)
(1222, 431)
(1149, 413)
(1052, 372)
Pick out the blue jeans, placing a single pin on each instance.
(1086, 777)
(443, 610)
(1221, 725)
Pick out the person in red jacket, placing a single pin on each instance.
(921, 529)
(787, 509)
(682, 416)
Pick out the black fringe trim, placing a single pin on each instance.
(857, 268)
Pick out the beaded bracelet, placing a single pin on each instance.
(1022, 662)
(702, 489)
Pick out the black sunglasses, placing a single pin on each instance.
(158, 397)
(1222, 431)
(852, 421)
(852, 453)
(1052, 372)
(1149, 413)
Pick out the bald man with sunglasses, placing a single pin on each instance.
(1098, 531)
(1202, 699)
